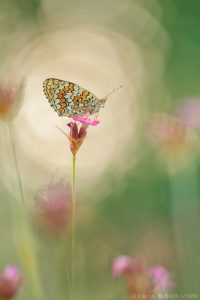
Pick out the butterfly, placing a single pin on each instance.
(71, 100)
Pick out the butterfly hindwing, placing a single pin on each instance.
(69, 99)
(49, 86)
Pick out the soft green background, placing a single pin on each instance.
(147, 212)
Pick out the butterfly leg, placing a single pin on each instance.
(96, 115)
(87, 119)
(87, 115)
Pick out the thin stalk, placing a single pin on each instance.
(64, 269)
(184, 187)
(14, 152)
(73, 223)
(24, 234)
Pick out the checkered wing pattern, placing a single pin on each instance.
(69, 99)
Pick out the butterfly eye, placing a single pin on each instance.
(102, 103)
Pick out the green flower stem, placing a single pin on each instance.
(24, 239)
(73, 225)
(63, 268)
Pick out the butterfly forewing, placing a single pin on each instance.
(69, 99)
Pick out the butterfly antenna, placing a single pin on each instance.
(62, 131)
(113, 91)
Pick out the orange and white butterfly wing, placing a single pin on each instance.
(69, 99)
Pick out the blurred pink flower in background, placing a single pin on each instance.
(141, 280)
(122, 264)
(76, 136)
(167, 131)
(53, 209)
(10, 282)
(11, 96)
(161, 279)
(188, 112)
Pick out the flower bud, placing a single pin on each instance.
(76, 136)
(10, 282)
(122, 264)
(11, 96)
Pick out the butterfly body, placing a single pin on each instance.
(69, 99)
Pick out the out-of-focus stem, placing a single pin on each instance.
(185, 211)
(14, 152)
(63, 268)
(26, 244)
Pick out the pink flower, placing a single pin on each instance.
(10, 99)
(53, 209)
(122, 264)
(140, 279)
(167, 131)
(76, 136)
(10, 282)
(87, 121)
(188, 111)
(161, 278)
